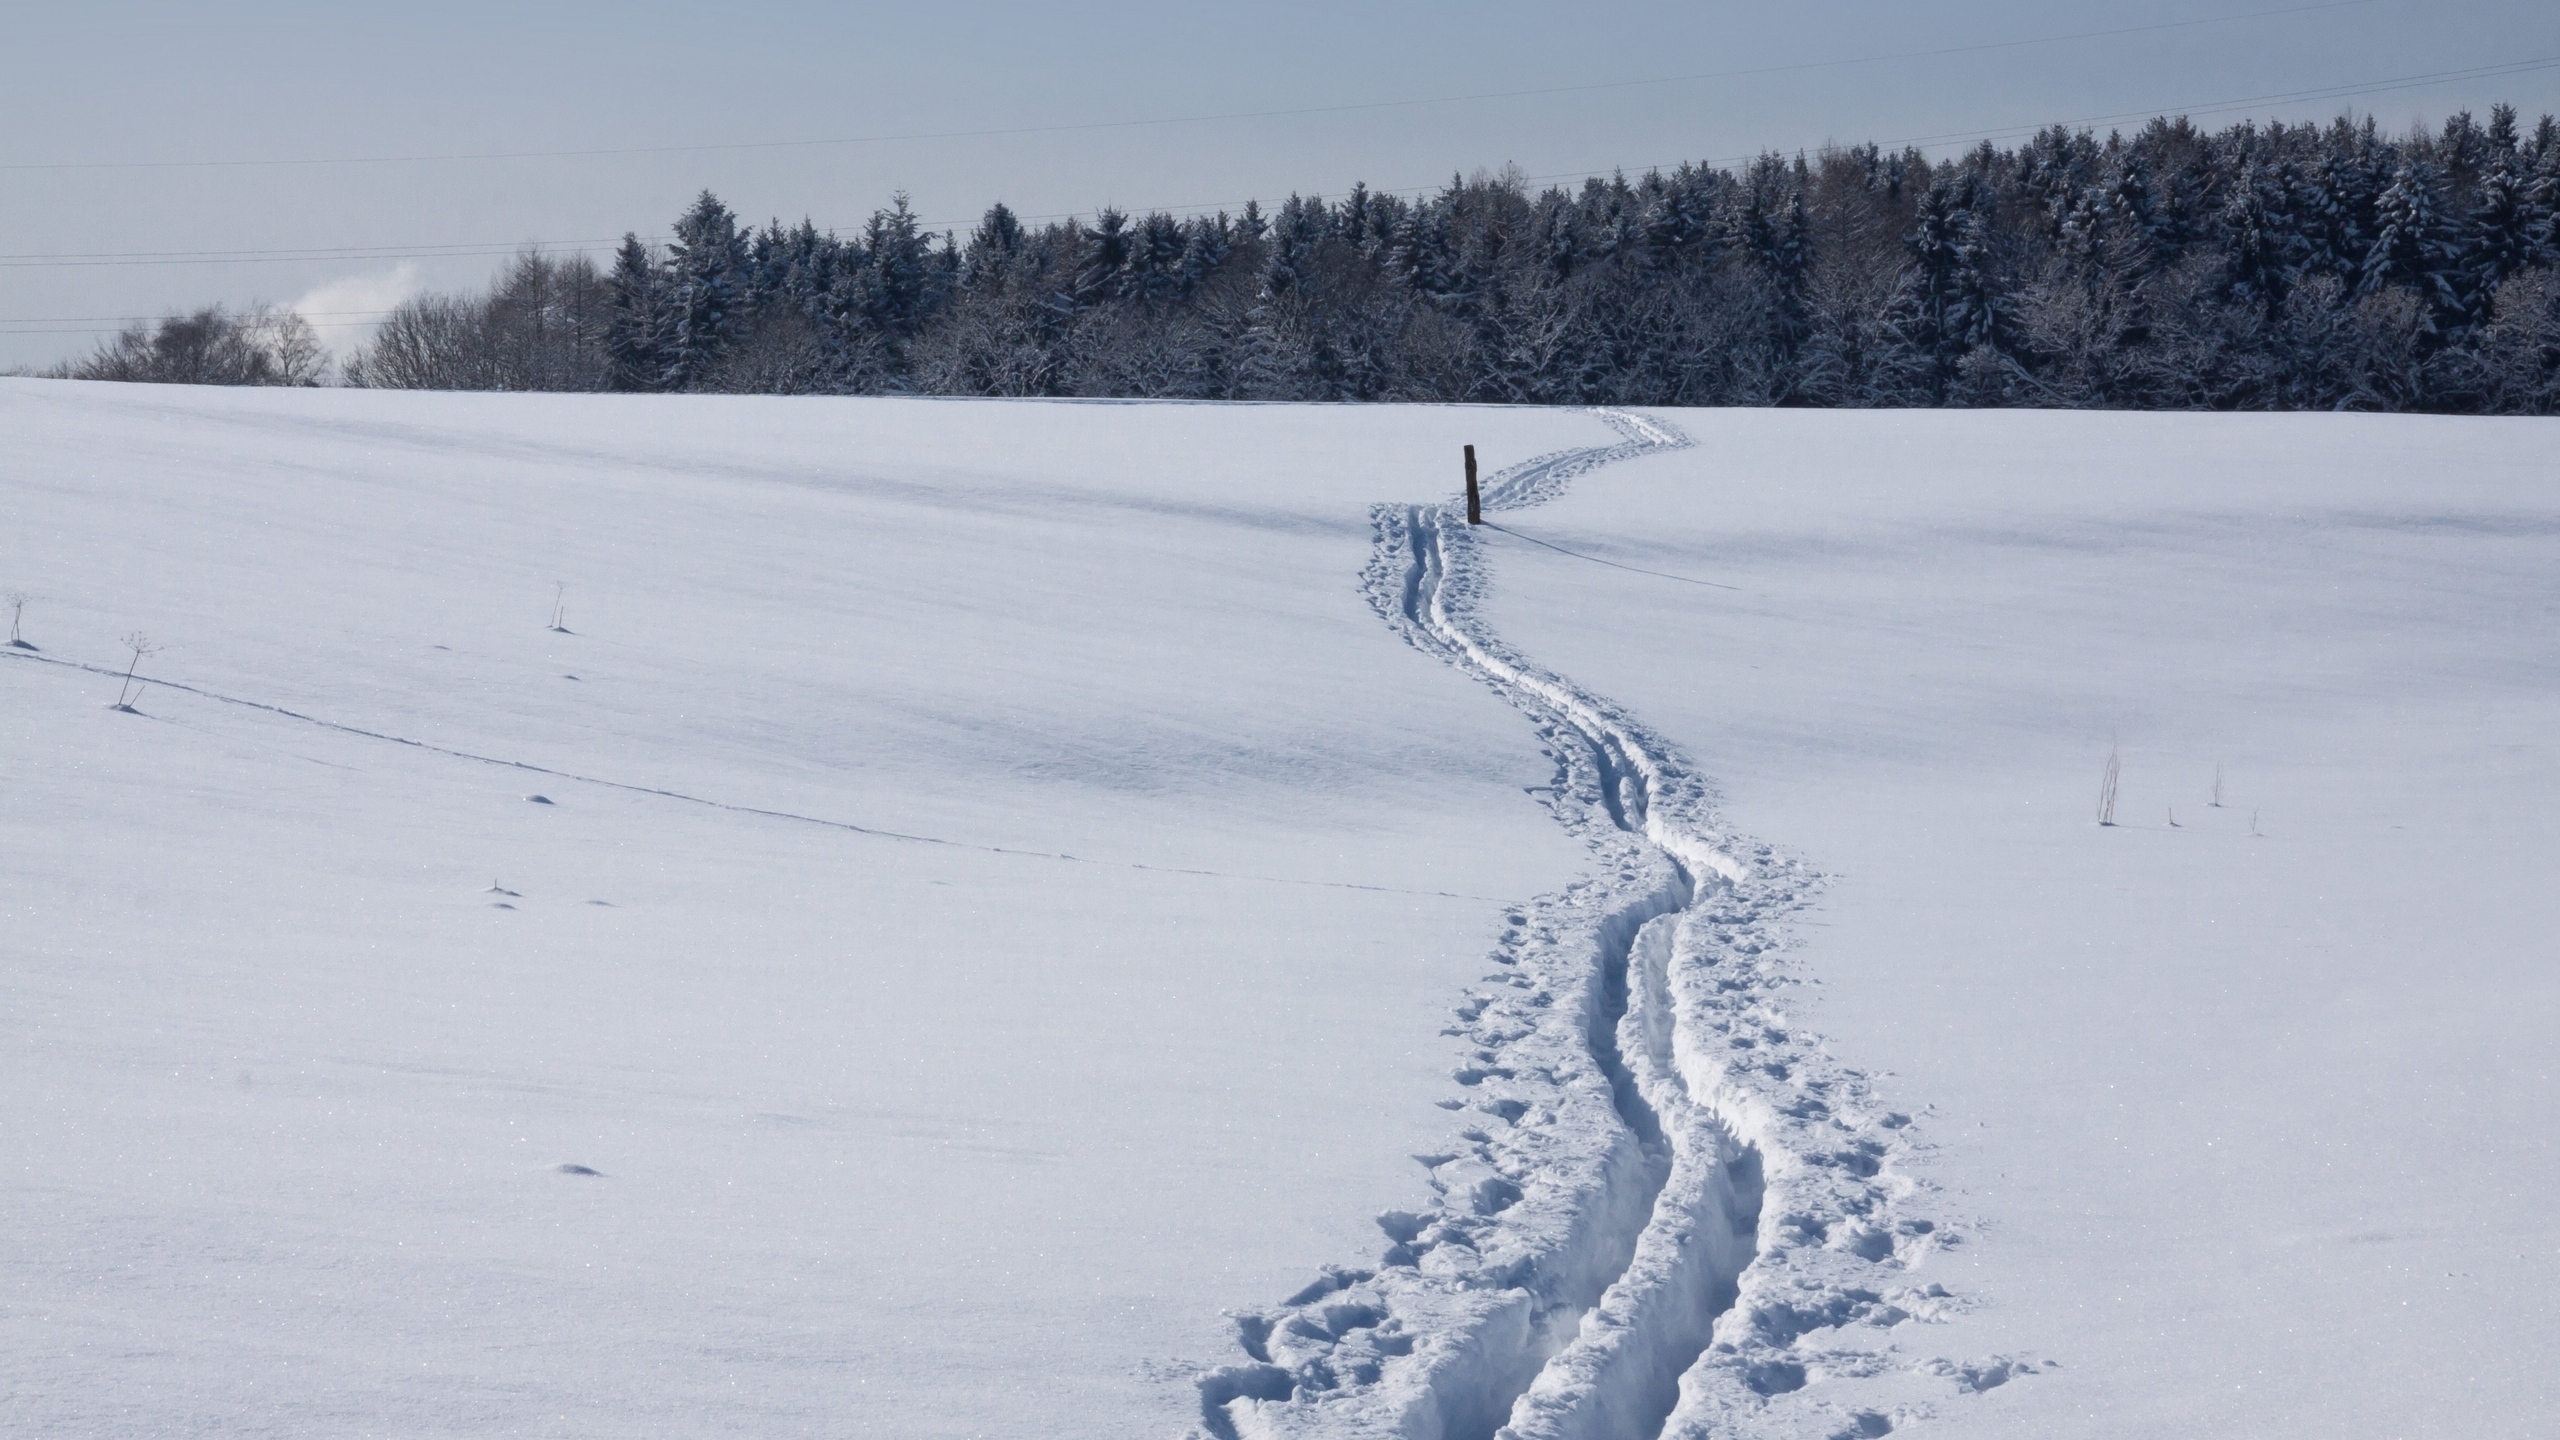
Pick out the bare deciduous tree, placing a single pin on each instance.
(541, 326)
(213, 346)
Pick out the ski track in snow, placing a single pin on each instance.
(1671, 1212)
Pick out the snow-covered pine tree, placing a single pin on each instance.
(2261, 246)
(706, 262)
(1947, 304)
(1559, 235)
(768, 262)
(636, 328)
(1774, 232)
(2497, 237)
(2504, 142)
(2331, 214)
(1155, 259)
(1290, 252)
(1101, 269)
(1205, 243)
(992, 246)
(897, 290)
(2542, 203)
(809, 268)
(2462, 153)
(1351, 222)
(1418, 254)
(2416, 248)
(1685, 226)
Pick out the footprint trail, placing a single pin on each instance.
(1668, 1211)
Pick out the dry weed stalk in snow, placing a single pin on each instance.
(127, 693)
(2107, 790)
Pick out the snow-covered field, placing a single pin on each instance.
(2251, 1125)
(1020, 891)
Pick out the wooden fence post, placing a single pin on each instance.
(1475, 502)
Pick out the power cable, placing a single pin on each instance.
(465, 251)
(1092, 125)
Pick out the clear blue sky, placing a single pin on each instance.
(105, 85)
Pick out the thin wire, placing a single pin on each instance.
(85, 319)
(325, 252)
(2515, 67)
(118, 330)
(1612, 564)
(2330, 92)
(1088, 126)
(659, 792)
(430, 251)
(317, 255)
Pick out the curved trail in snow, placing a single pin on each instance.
(1672, 1214)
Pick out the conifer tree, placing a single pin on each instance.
(2497, 236)
(636, 330)
(2261, 244)
(1205, 244)
(897, 288)
(1290, 256)
(1947, 305)
(1155, 269)
(1100, 268)
(992, 246)
(2414, 247)
(706, 262)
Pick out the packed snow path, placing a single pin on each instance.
(1671, 1213)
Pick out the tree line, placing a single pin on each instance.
(262, 345)
(2254, 267)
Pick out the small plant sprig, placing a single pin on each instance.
(141, 645)
(17, 600)
(2107, 789)
(560, 606)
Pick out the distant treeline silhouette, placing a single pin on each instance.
(2255, 267)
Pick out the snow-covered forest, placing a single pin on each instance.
(2257, 267)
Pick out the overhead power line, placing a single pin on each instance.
(2210, 107)
(292, 252)
(6, 329)
(92, 319)
(1273, 114)
(313, 253)
(470, 250)
(90, 324)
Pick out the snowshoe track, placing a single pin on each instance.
(1670, 1212)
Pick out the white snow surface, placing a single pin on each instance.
(983, 913)
(2241, 1134)
(894, 1138)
